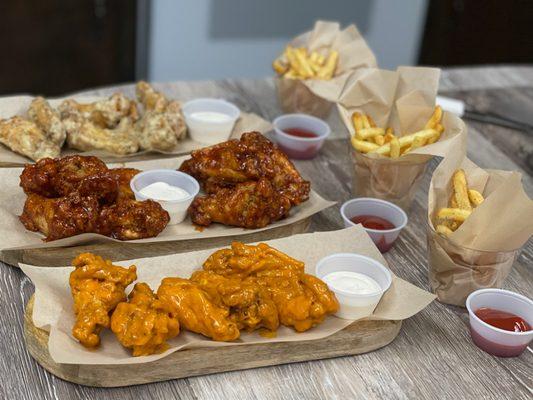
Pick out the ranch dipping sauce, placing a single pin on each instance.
(352, 282)
(211, 116)
(164, 192)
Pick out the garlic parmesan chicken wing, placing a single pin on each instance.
(27, 138)
(144, 323)
(249, 183)
(97, 287)
(48, 119)
(162, 124)
(196, 310)
(302, 300)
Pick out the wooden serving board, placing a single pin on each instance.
(360, 337)
(117, 251)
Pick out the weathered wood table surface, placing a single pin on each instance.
(433, 357)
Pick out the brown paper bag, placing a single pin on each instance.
(314, 96)
(403, 99)
(481, 252)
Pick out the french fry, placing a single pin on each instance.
(363, 146)
(461, 190)
(357, 121)
(301, 59)
(371, 122)
(329, 66)
(394, 148)
(418, 141)
(433, 138)
(368, 133)
(405, 141)
(435, 118)
(321, 59)
(314, 57)
(379, 140)
(475, 197)
(453, 214)
(389, 135)
(443, 229)
(279, 67)
(366, 122)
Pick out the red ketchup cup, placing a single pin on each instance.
(300, 136)
(382, 220)
(510, 307)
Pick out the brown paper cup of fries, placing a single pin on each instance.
(477, 222)
(315, 65)
(395, 129)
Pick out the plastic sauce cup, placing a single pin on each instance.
(206, 131)
(496, 341)
(383, 239)
(355, 306)
(301, 148)
(177, 209)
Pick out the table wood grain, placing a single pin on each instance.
(433, 357)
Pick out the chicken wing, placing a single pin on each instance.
(60, 176)
(251, 157)
(97, 287)
(48, 119)
(60, 217)
(26, 138)
(196, 310)
(250, 305)
(162, 124)
(252, 204)
(302, 300)
(130, 219)
(144, 323)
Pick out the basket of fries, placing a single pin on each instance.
(314, 67)
(477, 222)
(395, 130)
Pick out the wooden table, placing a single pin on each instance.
(433, 357)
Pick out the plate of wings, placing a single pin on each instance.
(247, 184)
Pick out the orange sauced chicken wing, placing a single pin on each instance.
(302, 300)
(97, 287)
(196, 310)
(144, 323)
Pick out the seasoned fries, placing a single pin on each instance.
(298, 63)
(369, 138)
(462, 201)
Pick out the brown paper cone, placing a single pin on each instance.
(481, 252)
(315, 96)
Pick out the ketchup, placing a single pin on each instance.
(299, 133)
(503, 320)
(372, 222)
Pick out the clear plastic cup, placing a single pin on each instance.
(177, 209)
(301, 148)
(455, 271)
(493, 340)
(355, 306)
(207, 131)
(383, 239)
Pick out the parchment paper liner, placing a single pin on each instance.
(481, 252)
(13, 235)
(403, 99)
(315, 96)
(18, 105)
(53, 302)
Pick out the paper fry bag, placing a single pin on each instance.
(314, 96)
(481, 252)
(404, 100)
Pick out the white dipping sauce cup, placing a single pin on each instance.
(205, 131)
(177, 209)
(300, 148)
(355, 306)
(496, 341)
(383, 239)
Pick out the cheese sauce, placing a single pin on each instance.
(164, 192)
(352, 282)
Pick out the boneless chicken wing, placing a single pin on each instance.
(196, 310)
(144, 323)
(97, 287)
